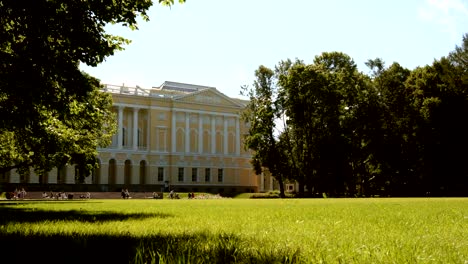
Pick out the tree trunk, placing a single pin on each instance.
(301, 190)
(281, 185)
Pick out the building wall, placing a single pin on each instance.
(169, 138)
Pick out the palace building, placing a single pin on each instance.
(178, 136)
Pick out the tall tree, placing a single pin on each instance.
(261, 114)
(440, 96)
(318, 99)
(52, 113)
(298, 86)
(289, 138)
(395, 146)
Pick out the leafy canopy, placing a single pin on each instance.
(52, 113)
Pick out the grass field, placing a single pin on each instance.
(384, 230)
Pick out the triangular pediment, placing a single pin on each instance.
(209, 96)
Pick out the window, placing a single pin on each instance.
(181, 174)
(160, 174)
(207, 175)
(124, 141)
(194, 174)
(220, 175)
(142, 172)
(112, 171)
(139, 141)
(161, 139)
(128, 172)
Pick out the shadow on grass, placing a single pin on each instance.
(85, 248)
(12, 214)
(80, 247)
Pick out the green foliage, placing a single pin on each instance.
(394, 132)
(52, 113)
(320, 101)
(261, 114)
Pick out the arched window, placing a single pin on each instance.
(219, 142)
(206, 142)
(193, 140)
(128, 172)
(231, 143)
(180, 140)
(112, 172)
(142, 172)
(161, 139)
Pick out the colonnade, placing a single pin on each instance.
(173, 129)
(120, 139)
(212, 117)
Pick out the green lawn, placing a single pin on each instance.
(381, 230)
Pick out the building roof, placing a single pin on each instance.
(181, 87)
(173, 91)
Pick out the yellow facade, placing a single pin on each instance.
(177, 136)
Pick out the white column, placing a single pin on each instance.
(148, 129)
(135, 128)
(225, 136)
(213, 134)
(173, 132)
(237, 136)
(200, 134)
(119, 128)
(187, 132)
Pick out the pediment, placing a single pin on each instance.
(209, 96)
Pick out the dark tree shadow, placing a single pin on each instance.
(122, 247)
(157, 248)
(11, 214)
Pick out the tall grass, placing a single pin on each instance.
(396, 230)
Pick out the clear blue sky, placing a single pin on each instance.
(221, 43)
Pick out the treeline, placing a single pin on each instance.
(341, 132)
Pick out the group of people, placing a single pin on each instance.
(85, 196)
(125, 194)
(16, 194)
(173, 195)
(19, 194)
(58, 196)
(64, 195)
